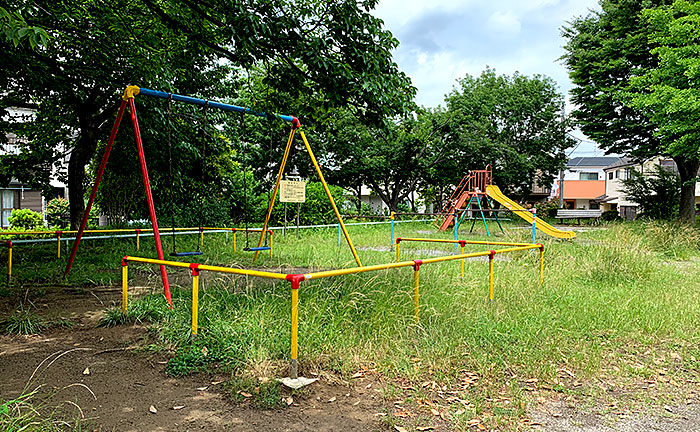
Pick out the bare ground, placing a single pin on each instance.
(127, 380)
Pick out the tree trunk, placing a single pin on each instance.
(359, 199)
(688, 171)
(81, 155)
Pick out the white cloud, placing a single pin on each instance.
(504, 23)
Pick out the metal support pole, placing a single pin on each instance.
(125, 286)
(456, 228)
(541, 264)
(534, 223)
(391, 239)
(58, 242)
(397, 250)
(338, 233)
(201, 237)
(294, 369)
(138, 241)
(9, 263)
(416, 285)
(461, 269)
(195, 298)
(493, 254)
(234, 240)
(270, 235)
(100, 171)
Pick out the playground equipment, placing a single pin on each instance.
(478, 185)
(296, 279)
(128, 99)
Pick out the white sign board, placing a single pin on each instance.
(292, 191)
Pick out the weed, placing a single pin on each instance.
(262, 394)
(23, 322)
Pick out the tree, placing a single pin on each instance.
(317, 54)
(657, 193)
(614, 65)
(513, 123)
(668, 93)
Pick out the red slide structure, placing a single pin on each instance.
(474, 183)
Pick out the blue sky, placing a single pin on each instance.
(442, 41)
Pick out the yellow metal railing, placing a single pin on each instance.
(296, 279)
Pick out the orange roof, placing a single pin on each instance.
(583, 189)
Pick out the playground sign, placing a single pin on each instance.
(292, 191)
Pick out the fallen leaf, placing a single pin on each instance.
(178, 407)
(357, 375)
(434, 411)
(402, 414)
(152, 409)
(668, 408)
(676, 356)
(288, 400)
(356, 403)
(332, 399)
(245, 394)
(400, 429)
(459, 412)
(205, 351)
(424, 428)
(86, 371)
(216, 382)
(202, 388)
(163, 362)
(481, 427)
(368, 385)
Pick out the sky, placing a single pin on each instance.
(442, 41)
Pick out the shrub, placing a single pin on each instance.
(658, 193)
(26, 219)
(610, 215)
(57, 212)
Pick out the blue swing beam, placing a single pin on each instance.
(212, 104)
(222, 106)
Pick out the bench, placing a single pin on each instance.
(579, 214)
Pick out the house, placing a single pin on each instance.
(17, 195)
(583, 182)
(614, 198)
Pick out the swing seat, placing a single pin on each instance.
(255, 249)
(179, 254)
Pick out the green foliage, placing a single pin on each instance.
(610, 216)
(514, 123)
(634, 83)
(657, 192)
(57, 212)
(17, 31)
(26, 219)
(316, 210)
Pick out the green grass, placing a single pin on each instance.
(619, 306)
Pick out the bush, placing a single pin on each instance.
(658, 193)
(57, 212)
(26, 219)
(610, 215)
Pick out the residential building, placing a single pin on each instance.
(18, 195)
(614, 198)
(583, 182)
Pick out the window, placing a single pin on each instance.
(7, 201)
(593, 205)
(588, 176)
(617, 173)
(610, 175)
(628, 174)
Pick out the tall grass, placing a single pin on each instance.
(615, 304)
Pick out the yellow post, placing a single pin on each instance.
(493, 253)
(201, 237)
(416, 283)
(397, 251)
(462, 262)
(138, 246)
(541, 265)
(271, 204)
(58, 241)
(294, 370)
(125, 286)
(270, 234)
(195, 300)
(9, 264)
(330, 198)
(234, 241)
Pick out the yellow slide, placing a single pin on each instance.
(495, 193)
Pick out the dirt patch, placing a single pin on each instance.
(125, 380)
(559, 416)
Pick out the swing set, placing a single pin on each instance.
(128, 99)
